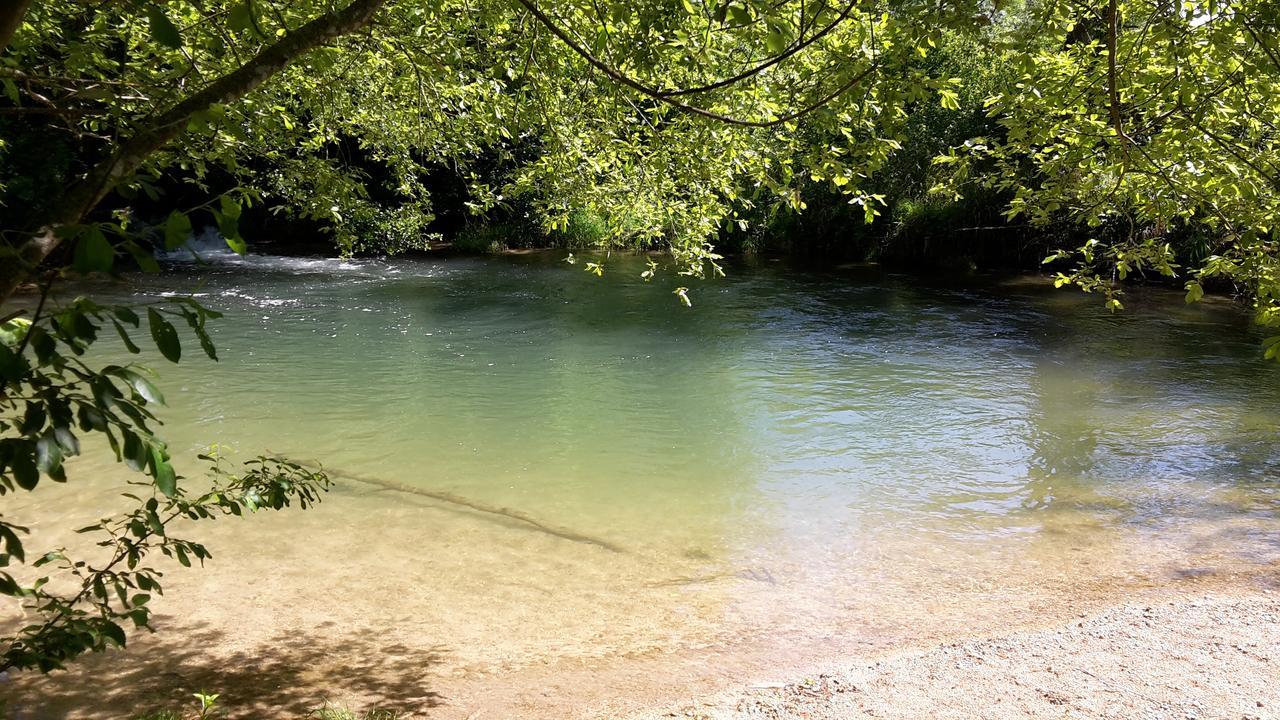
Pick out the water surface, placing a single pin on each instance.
(799, 466)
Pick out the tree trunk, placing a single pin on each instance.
(11, 15)
(82, 196)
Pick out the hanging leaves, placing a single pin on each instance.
(163, 31)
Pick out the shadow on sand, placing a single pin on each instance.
(286, 679)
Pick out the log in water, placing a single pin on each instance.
(452, 499)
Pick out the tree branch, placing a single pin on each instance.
(666, 96)
(789, 52)
(1113, 90)
(81, 197)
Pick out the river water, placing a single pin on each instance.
(799, 467)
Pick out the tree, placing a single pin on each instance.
(678, 103)
(122, 158)
(1152, 126)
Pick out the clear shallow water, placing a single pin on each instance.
(799, 465)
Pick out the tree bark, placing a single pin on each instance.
(1113, 82)
(82, 196)
(11, 15)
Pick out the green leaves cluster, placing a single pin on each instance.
(1145, 124)
(106, 597)
(52, 398)
(348, 132)
(1152, 128)
(51, 394)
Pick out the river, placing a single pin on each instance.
(634, 499)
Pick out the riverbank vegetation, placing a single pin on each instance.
(1117, 138)
(1110, 139)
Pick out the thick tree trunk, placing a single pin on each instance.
(82, 196)
(11, 14)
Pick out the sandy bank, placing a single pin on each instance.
(1207, 657)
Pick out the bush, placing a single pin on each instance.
(585, 230)
(483, 238)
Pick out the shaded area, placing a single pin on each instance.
(365, 666)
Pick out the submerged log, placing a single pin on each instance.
(760, 575)
(450, 498)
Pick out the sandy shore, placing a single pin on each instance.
(1188, 657)
(1206, 657)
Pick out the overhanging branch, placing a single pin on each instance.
(667, 96)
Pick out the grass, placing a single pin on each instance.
(325, 712)
(329, 712)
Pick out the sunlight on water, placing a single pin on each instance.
(799, 464)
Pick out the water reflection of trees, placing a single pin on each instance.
(1150, 418)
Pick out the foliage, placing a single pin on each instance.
(51, 399)
(209, 708)
(161, 715)
(1152, 126)
(484, 237)
(1148, 124)
(669, 124)
(661, 120)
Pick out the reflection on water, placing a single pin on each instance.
(800, 464)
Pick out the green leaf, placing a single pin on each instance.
(164, 335)
(12, 365)
(91, 419)
(67, 440)
(146, 261)
(229, 207)
(166, 478)
(240, 18)
(135, 451)
(114, 633)
(93, 253)
(23, 465)
(127, 315)
(144, 387)
(12, 543)
(228, 217)
(197, 327)
(1194, 292)
(177, 228)
(48, 454)
(124, 337)
(776, 42)
(163, 31)
(236, 243)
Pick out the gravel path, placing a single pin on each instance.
(1214, 657)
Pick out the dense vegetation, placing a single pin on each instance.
(1116, 137)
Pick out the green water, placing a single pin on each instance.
(803, 460)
